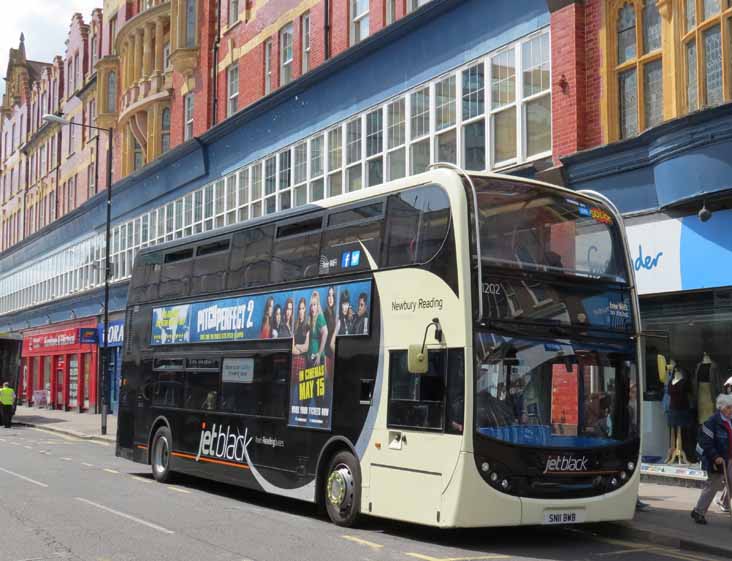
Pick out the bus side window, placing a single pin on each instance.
(201, 390)
(145, 279)
(297, 250)
(177, 268)
(265, 393)
(210, 267)
(168, 391)
(345, 232)
(251, 257)
(455, 412)
(417, 400)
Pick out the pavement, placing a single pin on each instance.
(666, 523)
(86, 426)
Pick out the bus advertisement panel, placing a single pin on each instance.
(311, 317)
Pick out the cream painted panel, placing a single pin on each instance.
(422, 460)
(469, 501)
(405, 495)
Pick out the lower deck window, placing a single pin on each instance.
(256, 385)
(201, 390)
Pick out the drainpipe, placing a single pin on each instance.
(327, 29)
(215, 66)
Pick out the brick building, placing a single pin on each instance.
(309, 99)
(642, 112)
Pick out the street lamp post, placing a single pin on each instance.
(58, 119)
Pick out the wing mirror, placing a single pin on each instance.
(417, 362)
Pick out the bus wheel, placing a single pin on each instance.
(161, 448)
(343, 489)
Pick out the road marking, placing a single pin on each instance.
(15, 443)
(23, 477)
(141, 479)
(28, 447)
(87, 465)
(59, 435)
(660, 550)
(127, 516)
(45, 557)
(479, 558)
(172, 488)
(110, 470)
(66, 459)
(625, 551)
(363, 542)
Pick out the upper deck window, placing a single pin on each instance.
(537, 229)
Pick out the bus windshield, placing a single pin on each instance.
(555, 393)
(533, 228)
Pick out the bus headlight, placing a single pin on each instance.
(485, 466)
(614, 482)
(494, 477)
(631, 466)
(504, 484)
(623, 476)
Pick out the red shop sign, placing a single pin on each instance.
(51, 341)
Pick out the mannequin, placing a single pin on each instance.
(707, 386)
(678, 412)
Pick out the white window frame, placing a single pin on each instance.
(267, 66)
(358, 22)
(286, 54)
(232, 89)
(233, 15)
(188, 114)
(305, 42)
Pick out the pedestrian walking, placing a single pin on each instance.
(7, 400)
(715, 449)
(723, 501)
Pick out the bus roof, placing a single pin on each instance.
(433, 175)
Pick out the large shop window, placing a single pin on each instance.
(684, 327)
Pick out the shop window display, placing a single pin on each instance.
(688, 357)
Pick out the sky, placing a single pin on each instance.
(45, 24)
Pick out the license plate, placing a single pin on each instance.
(564, 516)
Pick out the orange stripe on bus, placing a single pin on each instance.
(142, 446)
(213, 461)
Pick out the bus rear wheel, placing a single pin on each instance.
(342, 489)
(162, 446)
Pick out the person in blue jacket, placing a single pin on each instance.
(715, 449)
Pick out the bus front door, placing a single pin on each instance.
(416, 452)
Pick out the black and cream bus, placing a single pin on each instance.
(447, 349)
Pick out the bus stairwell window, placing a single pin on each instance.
(416, 400)
(418, 222)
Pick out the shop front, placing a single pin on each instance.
(683, 269)
(60, 366)
(114, 341)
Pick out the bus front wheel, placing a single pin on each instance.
(162, 446)
(343, 489)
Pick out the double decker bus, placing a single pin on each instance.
(448, 349)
